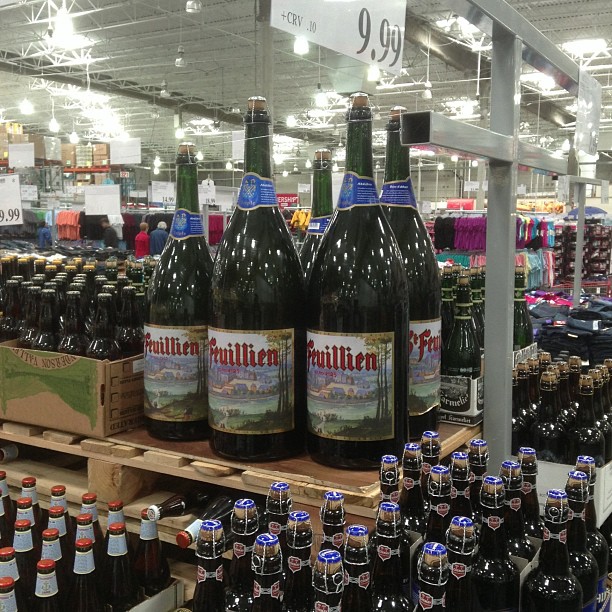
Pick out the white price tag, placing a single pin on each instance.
(102, 200)
(10, 200)
(426, 207)
(29, 193)
(207, 193)
(605, 192)
(163, 193)
(371, 31)
(303, 187)
(471, 186)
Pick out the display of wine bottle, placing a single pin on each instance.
(84, 594)
(430, 452)
(523, 328)
(298, 593)
(57, 520)
(103, 344)
(448, 304)
(461, 477)
(601, 422)
(356, 595)
(177, 505)
(52, 549)
(389, 478)
(357, 309)
(219, 508)
(26, 556)
(425, 331)
(477, 305)
(322, 207)
(278, 507)
(150, 564)
(178, 317)
(332, 520)
(9, 569)
(411, 498)
(551, 587)
(209, 593)
(256, 340)
(8, 597)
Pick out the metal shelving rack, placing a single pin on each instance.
(514, 40)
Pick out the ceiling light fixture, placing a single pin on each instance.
(321, 97)
(156, 170)
(26, 107)
(427, 95)
(373, 73)
(291, 121)
(308, 164)
(157, 162)
(454, 158)
(54, 126)
(74, 137)
(285, 174)
(180, 62)
(585, 46)
(199, 156)
(300, 45)
(566, 146)
(193, 6)
(474, 163)
(441, 166)
(164, 93)
(229, 165)
(180, 133)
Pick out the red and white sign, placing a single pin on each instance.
(460, 204)
(287, 199)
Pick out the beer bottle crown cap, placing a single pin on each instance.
(115, 505)
(266, 545)
(22, 525)
(412, 449)
(586, 381)
(462, 527)
(333, 496)
(434, 549)
(257, 103)
(478, 445)
(56, 511)
(7, 552)
(84, 544)
(575, 360)
(430, 435)
(50, 534)
(6, 583)
(548, 377)
(244, 508)
(608, 363)
(396, 112)
(58, 490)
(527, 452)
(586, 464)
(329, 557)
(210, 525)
(298, 522)
(389, 460)
(439, 473)
(116, 528)
(28, 481)
(459, 458)
(357, 531)
(563, 367)
(577, 476)
(24, 502)
(45, 565)
(323, 155)
(359, 99)
(299, 516)
(510, 468)
(84, 519)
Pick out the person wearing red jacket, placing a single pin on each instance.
(142, 241)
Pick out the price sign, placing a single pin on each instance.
(102, 200)
(29, 193)
(588, 113)
(163, 193)
(125, 151)
(207, 193)
(371, 31)
(303, 187)
(471, 185)
(10, 200)
(21, 155)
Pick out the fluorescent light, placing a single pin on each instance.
(74, 137)
(285, 174)
(454, 158)
(229, 165)
(308, 164)
(180, 133)
(440, 166)
(566, 146)
(321, 99)
(54, 126)
(278, 158)
(373, 73)
(427, 95)
(300, 45)
(180, 62)
(193, 6)
(585, 46)
(199, 156)
(64, 28)
(544, 82)
(26, 107)
(155, 170)
(157, 162)
(474, 163)
(291, 121)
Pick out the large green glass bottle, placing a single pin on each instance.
(256, 377)
(357, 371)
(176, 340)
(425, 330)
(523, 328)
(322, 207)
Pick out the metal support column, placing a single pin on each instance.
(580, 201)
(501, 246)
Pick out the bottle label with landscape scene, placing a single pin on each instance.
(251, 380)
(175, 387)
(186, 224)
(357, 191)
(398, 193)
(350, 386)
(256, 191)
(425, 352)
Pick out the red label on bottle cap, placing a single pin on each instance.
(515, 503)
(425, 600)
(274, 528)
(338, 540)
(384, 552)
(294, 564)
(408, 483)
(442, 509)
(458, 570)
(239, 549)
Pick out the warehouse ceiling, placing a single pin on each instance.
(107, 68)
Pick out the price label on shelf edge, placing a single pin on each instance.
(10, 200)
(372, 31)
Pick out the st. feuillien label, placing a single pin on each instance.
(318, 225)
(425, 352)
(350, 386)
(186, 224)
(398, 193)
(256, 191)
(357, 191)
(250, 380)
(175, 385)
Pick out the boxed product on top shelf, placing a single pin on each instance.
(46, 147)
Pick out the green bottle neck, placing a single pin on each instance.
(257, 144)
(322, 204)
(187, 184)
(463, 303)
(359, 141)
(519, 287)
(397, 159)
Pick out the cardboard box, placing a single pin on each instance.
(165, 601)
(69, 154)
(18, 138)
(46, 147)
(100, 149)
(74, 394)
(11, 127)
(461, 400)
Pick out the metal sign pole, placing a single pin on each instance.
(580, 201)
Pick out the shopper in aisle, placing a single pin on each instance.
(109, 235)
(157, 239)
(142, 241)
(44, 236)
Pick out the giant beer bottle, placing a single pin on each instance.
(358, 321)
(256, 368)
(322, 207)
(425, 330)
(175, 331)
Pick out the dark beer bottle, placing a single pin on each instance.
(25, 511)
(219, 508)
(177, 505)
(8, 598)
(9, 569)
(551, 587)
(58, 519)
(84, 594)
(257, 329)
(26, 556)
(596, 543)
(545, 360)
(430, 451)
(523, 328)
(389, 477)
(32, 316)
(521, 422)
(115, 515)
(411, 497)
(519, 544)
(568, 407)
(357, 345)
(47, 596)
(12, 315)
(120, 592)
(332, 519)
(534, 525)
(495, 577)
(477, 304)
(7, 503)
(47, 337)
(178, 316)
(460, 475)
(267, 565)
(387, 593)
(581, 561)
(28, 491)
(322, 207)
(85, 530)
(575, 370)
(278, 507)
(209, 594)
(534, 381)
(298, 584)
(448, 304)
(425, 334)
(6, 534)
(150, 564)
(356, 595)
(73, 340)
(526, 412)
(52, 549)
(245, 522)
(460, 544)
(433, 577)
(600, 417)
(129, 334)
(478, 458)
(584, 437)
(328, 581)
(103, 344)
(549, 438)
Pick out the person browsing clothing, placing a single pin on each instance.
(109, 234)
(158, 238)
(142, 241)
(44, 235)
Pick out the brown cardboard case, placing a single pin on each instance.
(73, 394)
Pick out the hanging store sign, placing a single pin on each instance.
(588, 113)
(102, 200)
(207, 193)
(287, 199)
(125, 151)
(21, 155)
(371, 31)
(10, 200)
(163, 193)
